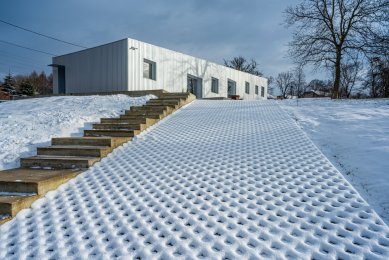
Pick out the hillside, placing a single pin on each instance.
(354, 135)
(27, 124)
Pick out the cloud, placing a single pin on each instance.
(214, 29)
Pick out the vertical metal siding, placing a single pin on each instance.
(173, 67)
(103, 68)
(116, 66)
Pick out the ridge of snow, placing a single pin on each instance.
(217, 179)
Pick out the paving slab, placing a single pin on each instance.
(216, 180)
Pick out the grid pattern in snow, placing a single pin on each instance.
(218, 179)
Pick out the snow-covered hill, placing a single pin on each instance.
(354, 135)
(27, 124)
(215, 180)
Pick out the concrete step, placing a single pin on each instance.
(169, 99)
(152, 109)
(165, 100)
(19, 188)
(75, 150)
(11, 205)
(4, 218)
(135, 120)
(159, 103)
(145, 112)
(175, 95)
(111, 132)
(182, 100)
(155, 107)
(120, 126)
(173, 102)
(144, 115)
(91, 141)
(58, 162)
(36, 181)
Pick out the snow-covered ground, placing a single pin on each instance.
(354, 135)
(27, 124)
(215, 180)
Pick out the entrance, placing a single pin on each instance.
(231, 88)
(61, 80)
(195, 86)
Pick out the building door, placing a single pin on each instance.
(195, 86)
(61, 80)
(231, 88)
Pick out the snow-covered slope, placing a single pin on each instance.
(354, 135)
(27, 124)
(218, 179)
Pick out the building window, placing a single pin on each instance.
(215, 85)
(247, 88)
(256, 90)
(231, 88)
(262, 91)
(149, 69)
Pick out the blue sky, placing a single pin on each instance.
(213, 29)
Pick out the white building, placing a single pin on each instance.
(129, 64)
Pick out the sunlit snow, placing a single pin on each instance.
(217, 179)
(27, 124)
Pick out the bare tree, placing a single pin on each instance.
(270, 85)
(240, 63)
(329, 30)
(284, 82)
(349, 77)
(319, 85)
(42, 83)
(299, 80)
(377, 78)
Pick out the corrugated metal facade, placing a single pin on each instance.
(98, 69)
(119, 66)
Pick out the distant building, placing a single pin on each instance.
(316, 94)
(129, 64)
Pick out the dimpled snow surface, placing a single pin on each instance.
(216, 180)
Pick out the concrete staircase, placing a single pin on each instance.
(69, 156)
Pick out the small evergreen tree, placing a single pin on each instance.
(9, 84)
(26, 88)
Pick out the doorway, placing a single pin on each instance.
(231, 88)
(195, 86)
(61, 80)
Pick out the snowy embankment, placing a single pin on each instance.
(354, 135)
(27, 124)
(215, 180)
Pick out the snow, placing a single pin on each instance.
(3, 193)
(217, 179)
(354, 135)
(27, 124)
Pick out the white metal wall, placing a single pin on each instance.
(119, 66)
(173, 67)
(99, 69)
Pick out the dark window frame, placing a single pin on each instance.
(215, 88)
(152, 69)
(247, 87)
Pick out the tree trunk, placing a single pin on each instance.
(335, 91)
